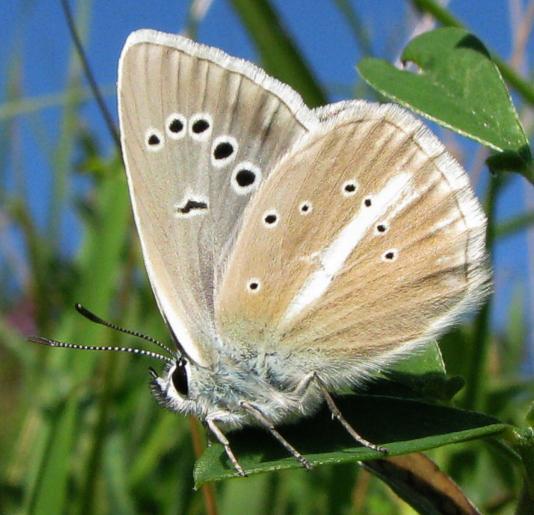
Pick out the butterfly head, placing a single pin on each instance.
(219, 390)
(171, 388)
(186, 387)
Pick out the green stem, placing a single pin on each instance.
(192, 22)
(89, 75)
(523, 87)
(357, 26)
(522, 441)
(32, 104)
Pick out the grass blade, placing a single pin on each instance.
(279, 54)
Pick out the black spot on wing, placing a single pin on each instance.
(191, 205)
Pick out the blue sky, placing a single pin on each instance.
(37, 29)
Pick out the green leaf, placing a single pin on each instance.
(402, 425)
(421, 375)
(427, 360)
(441, 14)
(460, 87)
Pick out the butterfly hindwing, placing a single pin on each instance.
(365, 240)
(200, 132)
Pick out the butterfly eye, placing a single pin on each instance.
(179, 378)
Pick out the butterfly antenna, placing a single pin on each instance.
(138, 352)
(97, 320)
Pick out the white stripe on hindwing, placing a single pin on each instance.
(332, 258)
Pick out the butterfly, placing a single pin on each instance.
(292, 251)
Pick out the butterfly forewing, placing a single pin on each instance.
(364, 241)
(200, 132)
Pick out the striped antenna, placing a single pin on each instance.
(97, 320)
(138, 352)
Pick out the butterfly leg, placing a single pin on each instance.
(342, 420)
(224, 441)
(302, 389)
(209, 434)
(265, 422)
(304, 385)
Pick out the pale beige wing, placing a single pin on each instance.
(200, 132)
(363, 242)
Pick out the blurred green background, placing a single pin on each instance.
(80, 432)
